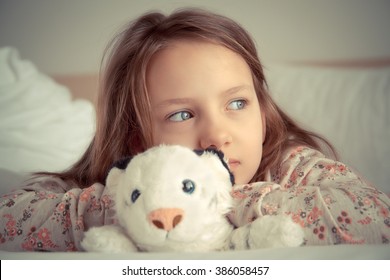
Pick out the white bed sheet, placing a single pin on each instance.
(335, 252)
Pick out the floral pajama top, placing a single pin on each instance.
(328, 200)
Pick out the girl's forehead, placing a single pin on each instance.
(189, 68)
(184, 55)
(189, 44)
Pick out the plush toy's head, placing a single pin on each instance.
(173, 198)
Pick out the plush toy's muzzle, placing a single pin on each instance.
(166, 218)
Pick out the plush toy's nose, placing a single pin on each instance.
(166, 218)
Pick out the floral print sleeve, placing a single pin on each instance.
(48, 215)
(326, 198)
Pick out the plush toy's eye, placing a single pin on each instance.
(188, 186)
(134, 195)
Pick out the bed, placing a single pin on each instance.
(47, 122)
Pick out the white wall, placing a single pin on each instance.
(69, 36)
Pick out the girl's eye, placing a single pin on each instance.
(134, 195)
(188, 186)
(237, 104)
(180, 116)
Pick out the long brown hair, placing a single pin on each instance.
(124, 124)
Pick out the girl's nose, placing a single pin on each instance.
(214, 136)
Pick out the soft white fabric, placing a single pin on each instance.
(350, 107)
(41, 127)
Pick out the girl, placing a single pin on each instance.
(193, 78)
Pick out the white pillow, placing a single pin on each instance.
(41, 127)
(350, 107)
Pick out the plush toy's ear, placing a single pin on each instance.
(117, 169)
(122, 163)
(221, 157)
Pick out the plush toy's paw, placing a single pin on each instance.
(107, 239)
(275, 231)
(239, 238)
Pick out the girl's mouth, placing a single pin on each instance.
(233, 163)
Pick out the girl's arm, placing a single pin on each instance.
(327, 199)
(46, 215)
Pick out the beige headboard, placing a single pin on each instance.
(85, 86)
(82, 86)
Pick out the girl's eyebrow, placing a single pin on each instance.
(236, 89)
(185, 100)
(174, 101)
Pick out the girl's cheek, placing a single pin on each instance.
(187, 139)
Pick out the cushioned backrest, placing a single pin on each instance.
(349, 106)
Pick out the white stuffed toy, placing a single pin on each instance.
(171, 198)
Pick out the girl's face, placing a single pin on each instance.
(202, 95)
